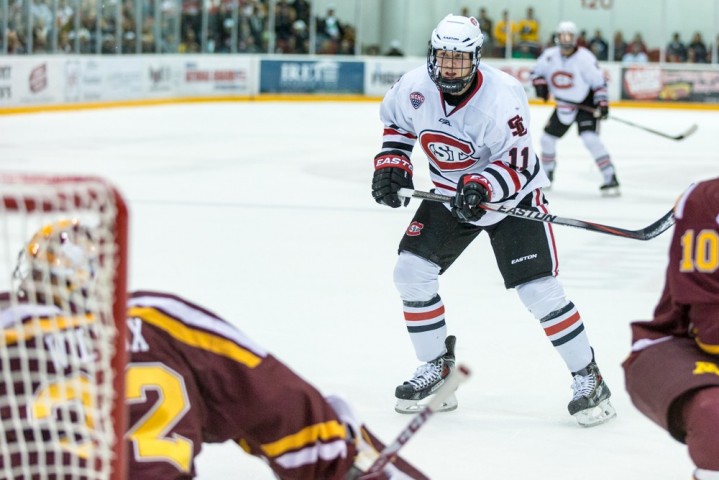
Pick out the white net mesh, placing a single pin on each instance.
(59, 351)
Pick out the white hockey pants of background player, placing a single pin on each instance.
(591, 141)
(417, 281)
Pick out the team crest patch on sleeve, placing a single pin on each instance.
(414, 229)
(416, 99)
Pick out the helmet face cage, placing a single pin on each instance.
(454, 34)
(566, 36)
(58, 263)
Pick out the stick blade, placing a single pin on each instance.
(689, 132)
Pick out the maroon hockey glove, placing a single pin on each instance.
(392, 171)
(541, 88)
(471, 193)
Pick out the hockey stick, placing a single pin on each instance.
(596, 114)
(386, 456)
(645, 233)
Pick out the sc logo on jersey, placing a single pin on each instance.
(446, 152)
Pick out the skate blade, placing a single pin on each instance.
(414, 406)
(596, 415)
(611, 192)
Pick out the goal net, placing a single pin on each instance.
(63, 246)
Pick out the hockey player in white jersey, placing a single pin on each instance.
(472, 123)
(571, 74)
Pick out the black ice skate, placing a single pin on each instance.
(611, 188)
(590, 404)
(550, 176)
(427, 379)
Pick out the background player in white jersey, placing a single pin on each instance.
(192, 378)
(571, 74)
(471, 121)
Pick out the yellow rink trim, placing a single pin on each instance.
(195, 338)
(41, 326)
(307, 436)
(68, 107)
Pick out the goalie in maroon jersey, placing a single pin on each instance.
(192, 378)
(672, 373)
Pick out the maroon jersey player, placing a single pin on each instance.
(192, 378)
(672, 373)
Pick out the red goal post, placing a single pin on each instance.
(62, 368)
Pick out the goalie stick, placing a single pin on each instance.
(645, 233)
(596, 113)
(388, 454)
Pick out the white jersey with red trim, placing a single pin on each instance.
(487, 134)
(570, 78)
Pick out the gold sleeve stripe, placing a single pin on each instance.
(711, 349)
(41, 326)
(307, 436)
(195, 338)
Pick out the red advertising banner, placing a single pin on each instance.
(670, 85)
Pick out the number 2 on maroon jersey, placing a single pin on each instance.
(152, 436)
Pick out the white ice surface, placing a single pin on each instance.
(262, 212)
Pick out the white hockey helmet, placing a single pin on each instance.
(567, 36)
(455, 33)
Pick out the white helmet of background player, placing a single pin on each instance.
(567, 37)
(454, 34)
(58, 264)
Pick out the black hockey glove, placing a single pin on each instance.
(392, 172)
(541, 88)
(602, 109)
(470, 195)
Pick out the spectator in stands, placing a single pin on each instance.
(504, 31)
(284, 18)
(15, 44)
(394, 49)
(329, 32)
(599, 46)
(189, 43)
(302, 9)
(63, 42)
(638, 41)
(485, 25)
(39, 39)
(676, 50)
(620, 46)
(330, 26)
(582, 39)
(191, 19)
(528, 36)
(635, 55)
(697, 51)
(300, 37)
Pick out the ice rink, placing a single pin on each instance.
(262, 212)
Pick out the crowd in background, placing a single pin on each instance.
(524, 41)
(244, 26)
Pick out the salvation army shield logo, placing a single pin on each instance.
(416, 99)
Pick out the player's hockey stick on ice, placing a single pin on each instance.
(596, 113)
(645, 233)
(386, 456)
